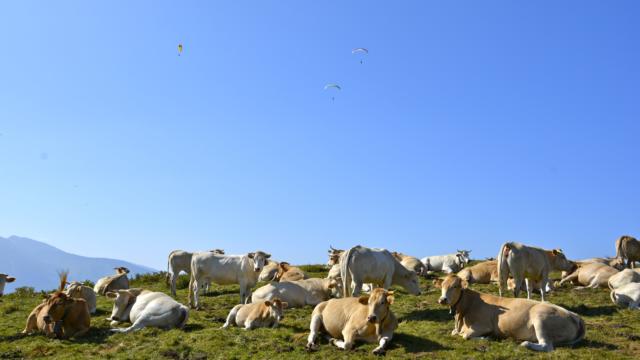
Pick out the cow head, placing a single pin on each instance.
(4, 279)
(259, 260)
(123, 300)
(276, 308)
(121, 270)
(334, 256)
(463, 256)
(283, 267)
(55, 311)
(409, 281)
(617, 263)
(451, 290)
(269, 271)
(559, 261)
(74, 289)
(378, 303)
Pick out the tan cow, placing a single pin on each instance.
(628, 247)
(286, 272)
(269, 271)
(529, 264)
(624, 277)
(4, 279)
(613, 262)
(591, 275)
(266, 313)
(482, 273)
(79, 291)
(539, 325)
(112, 282)
(297, 293)
(411, 263)
(60, 315)
(367, 318)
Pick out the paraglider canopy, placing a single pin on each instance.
(332, 86)
(359, 50)
(179, 49)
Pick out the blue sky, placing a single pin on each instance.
(468, 124)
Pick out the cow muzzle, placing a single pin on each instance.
(372, 318)
(47, 319)
(442, 300)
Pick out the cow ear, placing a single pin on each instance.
(364, 300)
(266, 256)
(10, 279)
(111, 295)
(250, 255)
(267, 303)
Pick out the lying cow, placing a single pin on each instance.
(113, 282)
(613, 262)
(180, 260)
(297, 293)
(59, 315)
(628, 247)
(411, 263)
(482, 273)
(376, 266)
(451, 263)
(4, 279)
(529, 264)
(627, 296)
(225, 270)
(592, 275)
(539, 325)
(287, 272)
(624, 277)
(269, 271)
(367, 318)
(144, 308)
(267, 313)
(77, 290)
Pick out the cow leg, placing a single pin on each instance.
(528, 286)
(346, 344)
(572, 277)
(457, 327)
(173, 277)
(472, 333)
(135, 327)
(195, 290)
(543, 344)
(357, 289)
(231, 318)
(315, 326)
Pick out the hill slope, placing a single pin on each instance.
(36, 264)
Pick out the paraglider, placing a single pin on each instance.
(179, 49)
(360, 52)
(334, 87)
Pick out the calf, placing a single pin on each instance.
(4, 279)
(591, 275)
(478, 315)
(447, 263)
(79, 291)
(266, 313)
(481, 273)
(297, 293)
(112, 282)
(367, 318)
(529, 264)
(411, 263)
(624, 277)
(287, 272)
(144, 308)
(627, 296)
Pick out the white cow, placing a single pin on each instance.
(112, 282)
(4, 279)
(144, 308)
(297, 293)
(225, 270)
(627, 296)
(451, 263)
(624, 277)
(377, 266)
(180, 260)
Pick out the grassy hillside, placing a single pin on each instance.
(424, 331)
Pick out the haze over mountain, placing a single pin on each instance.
(36, 264)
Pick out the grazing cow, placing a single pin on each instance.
(451, 263)
(180, 260)
(60, 315)
(287, 272)
(144, 308)
(592, 275)
(113, 282)
(628, 247)
(266, 313)
(297, 293)
(225, 270)
(624, 277)
(367, 318)
(77, 290)
(376, 266)
(478, 315)
(411, 263)
(627, 296)
(4, 279)
(617, 263)
(481, 273)
(269, 271)
(529, 263)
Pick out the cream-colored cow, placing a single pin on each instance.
(481, 273)
(266, 313)
(592, 275)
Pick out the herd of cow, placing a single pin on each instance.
(340, 310)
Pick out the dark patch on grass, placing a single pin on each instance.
(586, 343)
(415, 344)
(12, 354)
(440, 315)
(192, 327)
(585, 310)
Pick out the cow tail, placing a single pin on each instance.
(619, 248)
(581, 329)
(184, 312)
(613, 297)
(168, 277)
(345, 273)
(503, 267)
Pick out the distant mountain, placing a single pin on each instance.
(36, 264)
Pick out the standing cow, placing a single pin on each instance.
(180, 260)
(376, 266)
(144, 308)
(225, 270)
(4, 279)
(628, 247)
(451, 263)
(529, 263)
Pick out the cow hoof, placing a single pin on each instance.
(379, 352)
(311, 347)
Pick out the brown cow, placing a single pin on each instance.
(628, 247)
(482, 273)
(539, 325)
(60, 315)
(367, 318)
(286, 272)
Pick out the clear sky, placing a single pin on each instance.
(468, 124)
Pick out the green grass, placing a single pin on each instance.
(424, 331)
